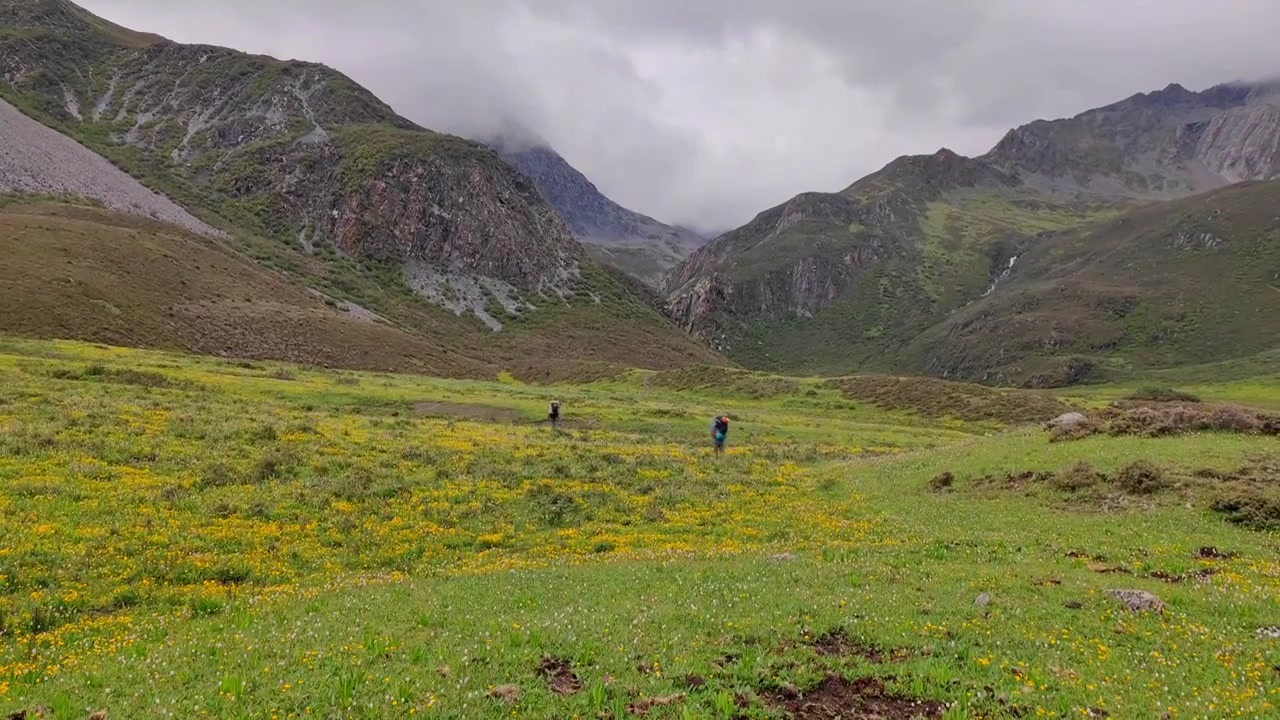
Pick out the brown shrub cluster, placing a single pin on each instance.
(1147, 420)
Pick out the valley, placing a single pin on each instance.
(276, 364)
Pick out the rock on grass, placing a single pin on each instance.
(1138, 600)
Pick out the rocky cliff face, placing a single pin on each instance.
(848, 281)
(633, 242)
(1157, 145)
(294, 149)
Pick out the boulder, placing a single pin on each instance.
(1067, 421)
(1138, 600)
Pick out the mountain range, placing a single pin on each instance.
(296, 169)
(1067, 251)
(198, 198)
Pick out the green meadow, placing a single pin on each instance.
(201, 538)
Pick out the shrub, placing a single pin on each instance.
(217, 475)
(1080, 476)
(1126, 418)
(1142, 478)
(942, 482)
(1235, 419)
(275, 464)
(1254, 506)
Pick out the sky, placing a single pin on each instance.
(706, 112)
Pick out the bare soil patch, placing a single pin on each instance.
(467, 411)
(1210, 552)
(838, 643)
(559, 674)
(860, 699)
(642, 707)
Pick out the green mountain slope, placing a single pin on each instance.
(1188, 282)
(313, 175)
(832, 283)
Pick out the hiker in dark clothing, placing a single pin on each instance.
(554, 414)
(720, 431)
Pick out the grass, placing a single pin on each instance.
(1137, 297)
(970, 238)
(228, 539)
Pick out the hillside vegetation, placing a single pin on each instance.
(1183, 283)
(194, 537)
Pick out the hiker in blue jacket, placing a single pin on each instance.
(719, 431)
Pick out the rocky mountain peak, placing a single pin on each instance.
(629, 240)
(1160, 145)
(1264, 93)
(928, 176)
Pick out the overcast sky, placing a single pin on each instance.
(706, 112)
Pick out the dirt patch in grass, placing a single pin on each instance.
(694, 681)
(467, 411)
(942, 482)
(1085, 555)
(860, 699)
(934, 398)
(509, 694)
(1105, 569)
(1210, 552)
(642, 707)
(559, 675)
(838, 643)
(1202, 575)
